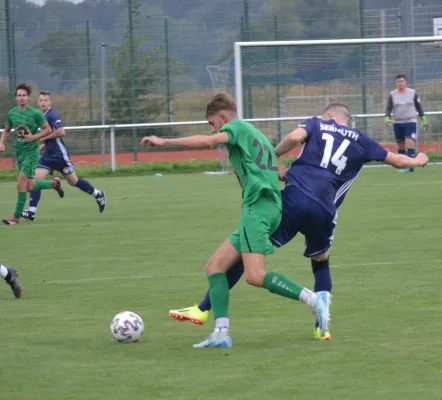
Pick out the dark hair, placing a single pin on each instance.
(340, 108)
(44, 93)
(23, 86)
(399, 76)
(220, 102)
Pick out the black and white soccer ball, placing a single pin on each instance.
(127, 327)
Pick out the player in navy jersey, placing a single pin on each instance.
(332, 157)
(56, 157)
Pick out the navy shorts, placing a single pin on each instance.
(60, 164)
(406, 130)
(301, 214)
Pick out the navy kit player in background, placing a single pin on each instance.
(56, 158)
(332, 157)
(404, 103)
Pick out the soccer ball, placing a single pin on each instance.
(127, 327)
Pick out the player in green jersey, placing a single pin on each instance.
(26, 121)
(254, 160)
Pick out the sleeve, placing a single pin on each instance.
(389, 107)
(56, 121)
(232, 132)
(418, 105)
(9, 121)
(309, 125)
(373, 151)
(40, 118)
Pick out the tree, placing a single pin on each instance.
(148, 72)
(65, 53)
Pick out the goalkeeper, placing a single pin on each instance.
(404, 103)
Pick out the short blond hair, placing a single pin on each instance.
(338, 108)
(220, 102)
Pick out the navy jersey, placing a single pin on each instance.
(55, 148)
(330, 161)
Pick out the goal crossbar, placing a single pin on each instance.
(330, 42)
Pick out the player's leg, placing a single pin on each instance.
(398, 130)
(40, 174)
(399, 134)
(71, 177)
(286, 231)
(410, 134)
(22, 182)
(10, 277)
(220, 262)
(257, 223)
(255, 244)
(198, 314)
(319, 235)
(35, 186)
(323, 283)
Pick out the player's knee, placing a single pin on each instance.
(72, 180)
(213, 267)
(409, 143)
(255, 277)
(30, 186)
(322, 257)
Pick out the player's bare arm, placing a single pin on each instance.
(403, 161)
(292, 140)
(59, 132)
(5, 134)
(282, 170)
(45, 131)
(193, 142)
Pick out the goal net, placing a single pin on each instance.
(278, 83)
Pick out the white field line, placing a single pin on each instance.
(192, 274)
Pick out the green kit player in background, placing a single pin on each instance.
(254, 160)
(26, 121)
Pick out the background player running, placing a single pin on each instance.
(254, 161)
(317, 182)
(26, 121)
(56, 158)
(404, 103)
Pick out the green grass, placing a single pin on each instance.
(146, 254)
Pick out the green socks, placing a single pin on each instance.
(277, 283)
(219, 295)
(20, 205)
(38, 185)
(21, 199)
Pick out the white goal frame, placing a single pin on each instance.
(237, 46)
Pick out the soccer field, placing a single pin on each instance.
(147, 254)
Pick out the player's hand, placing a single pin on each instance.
(2, 147)
(424, 120)
(422, 159)
(282, 171)
(29, 137)
(42, 147)
(388, 122)
(152, 140)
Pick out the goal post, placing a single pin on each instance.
(289, 79)
(238, 46)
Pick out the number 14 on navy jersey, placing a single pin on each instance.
(331, 158)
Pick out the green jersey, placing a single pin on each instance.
(254, 160)
(24, 122)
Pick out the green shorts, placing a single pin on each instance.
(28, 162)
(257, 222)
